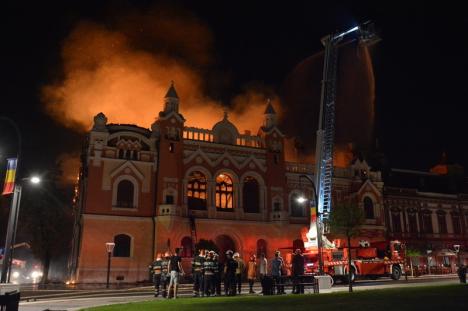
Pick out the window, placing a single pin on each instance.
(396, 221)
(262, 248)
(121, 153)
(427, 222)
(276, 207)
(196, 191)
(442, 221)
(125, 194)
(169, 199)
(224, 192)
(250, 195)
(297, 209)
(412, 222)
(187, 246)
(456, 223)
(122, 245)
(368, 208)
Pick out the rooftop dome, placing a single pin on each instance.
(224, 132)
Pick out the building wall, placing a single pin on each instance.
(160, 163)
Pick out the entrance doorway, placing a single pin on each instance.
(224, 243)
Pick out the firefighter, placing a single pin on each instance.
(165, 273)
(218, 275)
(276, 272)
(230, 274)
(298, 263)
(239, 271)
(156, 268)
(209, 268)
(197, 272)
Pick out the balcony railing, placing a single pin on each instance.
(200, 134)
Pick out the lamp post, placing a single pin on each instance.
(109, 247)
(12, 225)
(318, 223)
(11, 229)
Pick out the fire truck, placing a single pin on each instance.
(383, 259)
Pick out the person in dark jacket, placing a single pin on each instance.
(218, 274)
(298, 263)
(462, 274)
(197, 272)
(230, 268)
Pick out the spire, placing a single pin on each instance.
(225, 117)
(171, 100)
(270, 116)
(269, 109)
(171, 92)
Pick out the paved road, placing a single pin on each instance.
(78, 299)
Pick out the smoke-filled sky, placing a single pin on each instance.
(66, 61)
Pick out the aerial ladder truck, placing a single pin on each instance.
(332, 260)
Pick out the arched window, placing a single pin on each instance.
(250, 195)
(196, 191)
(186, 244)
(427, 221)
(456, 223)
(125, 194)
(442, 220)
(396, 221)
(368, 208)
(262, 248)
(224, 192)
(122, 245)
(297, 208)
(412, 222)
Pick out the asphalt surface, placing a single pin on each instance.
(70, 300)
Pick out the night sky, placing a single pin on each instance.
(420, 65)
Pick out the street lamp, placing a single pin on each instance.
(109, 247)
(12, 225)
(318, 224)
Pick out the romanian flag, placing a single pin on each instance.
(10, 176)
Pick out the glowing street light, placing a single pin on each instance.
(301, 199)
(35, 180)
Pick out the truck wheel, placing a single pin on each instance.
(396, 273)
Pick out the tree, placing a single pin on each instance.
(345, 219)
(410, 253)
(48, 223)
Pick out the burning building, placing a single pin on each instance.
(152, 190)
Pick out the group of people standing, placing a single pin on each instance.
(209, 272)
(167, 270)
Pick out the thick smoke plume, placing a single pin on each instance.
(126, 72)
